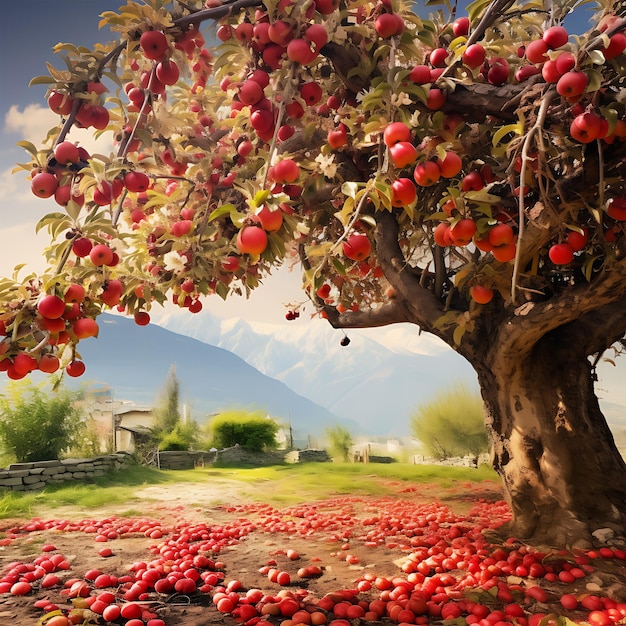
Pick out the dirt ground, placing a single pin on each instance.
(349, 538)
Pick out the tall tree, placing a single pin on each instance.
(464, 174)
(167, 411)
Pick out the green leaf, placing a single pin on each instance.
(339, 266)
(29, 147)
(350, 189)
(41, 80)
(222, 210)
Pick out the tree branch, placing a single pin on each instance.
(215, 13)
(421, 303)
(531, 321)
(392, 312)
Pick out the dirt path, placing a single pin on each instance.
(407, 531)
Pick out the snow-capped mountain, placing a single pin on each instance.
(376, 381)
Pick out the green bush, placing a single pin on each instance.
(340, 441)
(452, 424)
(39, 422)
(252, 431)
(182, 437)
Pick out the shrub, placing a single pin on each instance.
(452, 424)
(39, 422)
(252, 431)
(182, 437)
(340, 441)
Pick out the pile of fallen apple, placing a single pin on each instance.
(447, 569)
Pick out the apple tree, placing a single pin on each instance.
(464, 173)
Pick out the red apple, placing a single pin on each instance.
(167, 72)
(396, 132)
(48, 363)
(536, 51)
(60, 103)
(154, 45)
(499, 70)
(66, 152)
(420, 75)
(300, 51)
(586, 127)
(555, 37)
(480, 294)
(85, 327)
(435, 99)
(474, 55)
(75, 369)
(271, 219)
(51, 306)
(389, 25)
(251, 240)
(137, 182)
(357, 247)
(101, 254)
(572, 84)
(438, 57)
(403, 192)
(461, 26)
(44, 184)
(426, 173)
(450, 165)
(402, 154)
(82, 246)
(338, 137)
(463, 231)
(142, 318)
(561, 254)
(501, 235)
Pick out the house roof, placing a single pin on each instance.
(124, 410)
(137, 430)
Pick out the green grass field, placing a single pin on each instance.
(281, 484)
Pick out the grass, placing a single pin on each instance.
(285, 484)
(279, 484)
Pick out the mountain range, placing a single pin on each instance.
(298, 372)
(135, 361)
(377, 380)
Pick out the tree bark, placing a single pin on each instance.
(562, 473)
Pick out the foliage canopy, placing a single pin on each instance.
(462, 173)
(451, 424)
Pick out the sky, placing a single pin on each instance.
(28, 31)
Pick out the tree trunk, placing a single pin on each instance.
(562, 473)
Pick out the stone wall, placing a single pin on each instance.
(33, 476)
(308, 456)
(180, 460)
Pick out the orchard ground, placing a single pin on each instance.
(375, 532)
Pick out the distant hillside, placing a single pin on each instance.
(135, 361)
(378, 380)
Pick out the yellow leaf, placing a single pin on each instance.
(517, 128)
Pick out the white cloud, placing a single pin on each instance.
(14, 187)
(35, 121)
(21, 245)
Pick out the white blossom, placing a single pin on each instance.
(400, 99)
(173, 262)
(363, 94)
(327, 164)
